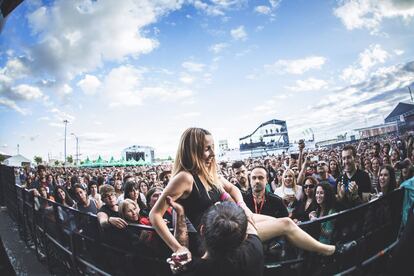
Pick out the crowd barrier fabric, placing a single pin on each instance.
(72, 242)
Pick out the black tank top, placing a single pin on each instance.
(199, 201)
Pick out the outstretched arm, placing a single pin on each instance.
(179, 186)
(302, 173)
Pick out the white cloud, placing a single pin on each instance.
(239, 33)
(15, 69)
(310, 84)
(259, 28)
(275, 3)
(268, 10)
(12, 105)
(217, 48)
(368, 59)
(77, 37)
(368, 14)
(64, 89)
(89, 84)
(373, 97)
(193, 66)
(218, 7)
(186, 78)
(372, 56)
(398, 52)
(60, 115)
(124, 86)
(296, 66)
(263, 10)
(26, 92)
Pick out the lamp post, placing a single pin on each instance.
(77, 148)
(66, 123)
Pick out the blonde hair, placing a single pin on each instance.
(189, 157)
(123, 206)
(294, 183)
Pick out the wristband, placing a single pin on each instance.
(108, 220)
(241, 203)
(224, 196)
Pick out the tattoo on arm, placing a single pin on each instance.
(180, 230)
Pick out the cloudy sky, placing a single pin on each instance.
(141, 71)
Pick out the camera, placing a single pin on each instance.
(294, 156)
(345, 182)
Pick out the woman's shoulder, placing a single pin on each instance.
(182, 181)
(183, 176)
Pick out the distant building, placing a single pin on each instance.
(223, 145)
(400, 112)
(339, 140)
(268, 138)
(403, 116)
(139, 152)
(17, 161)
(376, 130)
(4, 156)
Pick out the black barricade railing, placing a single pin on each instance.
(374, 226)
(72, 242)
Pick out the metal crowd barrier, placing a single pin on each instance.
(71, 242)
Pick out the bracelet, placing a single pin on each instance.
(240, 203)
(108, 220)
(224, 196)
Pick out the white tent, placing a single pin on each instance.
(17, 161)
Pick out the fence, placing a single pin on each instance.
(72, 242)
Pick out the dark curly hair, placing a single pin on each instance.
(224, 228)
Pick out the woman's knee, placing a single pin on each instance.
(287, 224)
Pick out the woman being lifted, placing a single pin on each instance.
(197, 186)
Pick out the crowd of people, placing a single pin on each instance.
(265, 196)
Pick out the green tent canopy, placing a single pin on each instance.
(87, 162)
(141, 162)
(112, 162)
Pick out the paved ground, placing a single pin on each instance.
(22, 258)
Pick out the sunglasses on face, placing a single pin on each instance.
(308, 186)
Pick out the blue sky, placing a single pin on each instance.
(140, 72)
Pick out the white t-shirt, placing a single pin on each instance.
(283, 191)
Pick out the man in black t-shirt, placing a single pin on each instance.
(232, 244)
(109, 219)
(108, 214)
(248, 261)
(354, 185)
